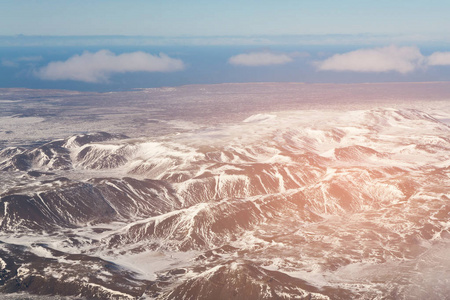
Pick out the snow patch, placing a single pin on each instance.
(259, 118)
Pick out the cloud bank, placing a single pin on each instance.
(255, 59)
(385, 59)
(99, 66)
(439, 59)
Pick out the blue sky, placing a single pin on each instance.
(108, 45)
(212, 18)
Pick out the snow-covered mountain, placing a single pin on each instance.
(299, 204)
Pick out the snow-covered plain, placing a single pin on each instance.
(251, 191)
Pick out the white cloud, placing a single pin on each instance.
(9, 63)
(15, 62)
(99, 66)
(255, 59)
(439, 59)
(385, 59)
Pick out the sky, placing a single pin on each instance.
(105, 45)
(223, 18)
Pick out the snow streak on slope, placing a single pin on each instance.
(327, 204)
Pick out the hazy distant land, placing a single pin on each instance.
(158, 111)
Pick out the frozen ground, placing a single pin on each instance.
(227, 191)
